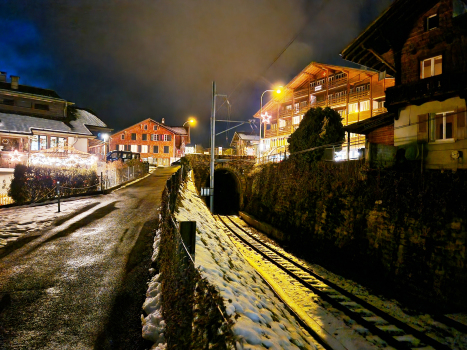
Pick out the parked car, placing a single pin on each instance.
(123, 156)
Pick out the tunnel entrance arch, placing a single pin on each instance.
(227, 191)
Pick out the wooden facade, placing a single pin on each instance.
(423, 43)
(356, 94)
(157, 143)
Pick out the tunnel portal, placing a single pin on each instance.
(226, 193)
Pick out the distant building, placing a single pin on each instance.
(244, 144)
(158, 144)
(356, 94)
(34, 119)
(422, 43)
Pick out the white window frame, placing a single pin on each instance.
(296, 120)
(282, 123)
(432, 73)
(134, 148)
(432, 126)
(144, 149)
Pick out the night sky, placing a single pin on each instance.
(137, 59)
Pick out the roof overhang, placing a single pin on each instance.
(366, 126)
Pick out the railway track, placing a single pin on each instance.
(391, 330)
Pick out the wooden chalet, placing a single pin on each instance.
(245, 144)
(356, 94)
(422, 43)
(158, 143)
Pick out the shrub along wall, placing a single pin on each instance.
(406, 227)
(35, 183)
(190, 305)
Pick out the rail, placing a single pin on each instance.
(385, 326)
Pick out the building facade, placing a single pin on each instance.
(356, 94)
(244, 144)
(423, 44)
(158, 144)
(35, 120)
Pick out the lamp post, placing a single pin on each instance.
(265, 119)
(105, 137)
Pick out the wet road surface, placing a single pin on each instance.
(72, 284)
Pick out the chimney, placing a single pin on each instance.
(163, 121)
(14, 82)
(2, 77)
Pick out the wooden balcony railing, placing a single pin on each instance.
(338, 82)
(427, 89)
(357, 96)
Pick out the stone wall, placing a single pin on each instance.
(405, 227)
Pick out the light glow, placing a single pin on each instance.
(16, 156)
(266, 118)
(72, 160)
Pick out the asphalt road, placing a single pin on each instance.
(80, 283)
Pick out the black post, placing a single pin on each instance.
(58, 192)
(188, 233)
(102, 182)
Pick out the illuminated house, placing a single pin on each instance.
(157, 143)
(422, 43)
(244, 144)
(356, 94)
(33, 119)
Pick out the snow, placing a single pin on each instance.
(261, 319)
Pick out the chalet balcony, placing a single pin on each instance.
(338, 82)
(438, 87)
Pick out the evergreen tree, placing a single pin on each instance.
(319, 127)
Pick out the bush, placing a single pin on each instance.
(319, 127)
(35, 183)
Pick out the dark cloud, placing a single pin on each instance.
(130, 60)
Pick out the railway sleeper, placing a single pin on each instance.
(391, 329)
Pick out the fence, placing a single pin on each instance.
(192, 308)
(114, 176)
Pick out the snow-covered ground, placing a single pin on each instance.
(16, 222)
(261, 319)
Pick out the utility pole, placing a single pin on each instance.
(213, 140)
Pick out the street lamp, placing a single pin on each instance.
(105, 137)
(192, 121)
(265, 118)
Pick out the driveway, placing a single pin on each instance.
(77, 283)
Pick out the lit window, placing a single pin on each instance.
(288, 108)
(144, 149)
(432, 22)
(53, 141)
(441, 126)
(353, 108)
(431, 67)
(364, 106)
(282, 123)
(43, 142)
(35, 143)
(134, 148)
(296, 120)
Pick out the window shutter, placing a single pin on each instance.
(461, 121)
(422, 133)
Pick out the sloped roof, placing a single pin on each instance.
(30, 90)
(88, 118)
(366, 126)
(24, 124)
(392, 25)
(247, 137)
(179, 130)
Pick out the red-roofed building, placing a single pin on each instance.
(157, 143)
